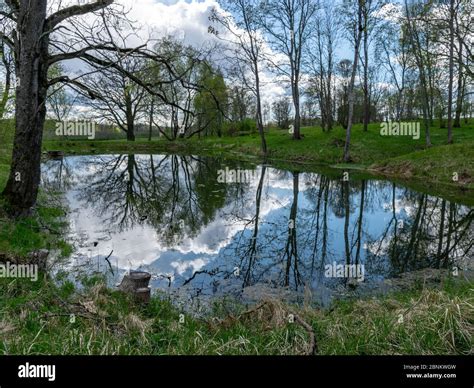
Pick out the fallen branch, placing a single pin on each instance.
(312, 337)
(313, 346)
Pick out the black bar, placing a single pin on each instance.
(319, 371)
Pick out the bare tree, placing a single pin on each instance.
(118, 101)
(60, 102)
(281, 112)
(243, 28)
(6, 57)
(7, 64)
(460, 85)
(413, 13)
(463, 31)
(356, 27)
(288, 24)
(393, 55)
(322, 59)
(39, 41)
(180, 115)
(370, 8)
(452, 16)
(33, 28)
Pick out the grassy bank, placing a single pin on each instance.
(41, 318)
(401, 157)
(43, 230)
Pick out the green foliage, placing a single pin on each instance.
(239, 128)
(211, 102)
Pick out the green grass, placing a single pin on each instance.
(423, 321)
(35, 318)
(43, 230)
(438, 164)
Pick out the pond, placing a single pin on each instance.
(209, 227)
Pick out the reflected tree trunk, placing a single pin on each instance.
(317, 216)
(441, 231)
(252, 251)
(345, 193)
(291, 249)
(414, 232)
(359, 222)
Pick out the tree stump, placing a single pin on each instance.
(136, 284)
(143, 295)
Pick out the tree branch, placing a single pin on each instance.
(79, 53)
(75, 10)
(67, 80)
(7, 41)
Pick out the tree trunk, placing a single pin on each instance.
(451, 72)
(459, 98)
(259, 115)
(150, 125)
(419, 58)
(130, 117)
(297, 133)
(359, 223)
(291, 248)
(30, 62)
(350, 114)
(366, 78)
(321, 94)
(252, 252)
(130, 132)
(296, 103)
(347, 210)
(329, 110)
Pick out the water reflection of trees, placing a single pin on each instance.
(417, 231)
(176, 195)
(57, 175)
(284, 236)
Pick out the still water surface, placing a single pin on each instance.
(277, 232)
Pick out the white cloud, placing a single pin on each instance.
(189, 20)
(186, 20)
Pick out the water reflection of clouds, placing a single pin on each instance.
(222, 239)
(401, 205)
(220, 232)
(140, 246)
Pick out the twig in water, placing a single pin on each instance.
(108, 261)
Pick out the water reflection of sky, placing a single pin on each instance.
(329, 224)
